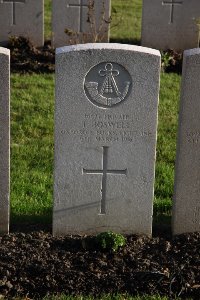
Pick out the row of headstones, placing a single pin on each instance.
(166, 24)
(26, 18)
(105, 140)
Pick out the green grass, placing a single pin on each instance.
(47, 19)
(126, 21)
(32, 109)
(167, 130)
(31, 144)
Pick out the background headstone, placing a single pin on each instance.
(186, 206)
(22, 18)
(73, 15)
(4, 139)
(170, 24)
(105, 138)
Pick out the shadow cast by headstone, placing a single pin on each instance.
(131, 41)
(162, 225)
(29, 223)
(81, 207)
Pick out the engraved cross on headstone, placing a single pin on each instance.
(104, 172)
(172, 3)
(80, 6)
(13, 2)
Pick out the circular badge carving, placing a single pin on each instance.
(107, 84)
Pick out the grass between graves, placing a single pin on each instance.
(126, 21)
(31, 145)
(47, 19)
(32, 109)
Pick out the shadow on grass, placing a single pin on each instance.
(30, 223)
(162, 225)
(126, 41)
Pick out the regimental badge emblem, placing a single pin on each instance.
(107, 84)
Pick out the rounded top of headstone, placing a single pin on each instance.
(194, 51)
(110, 46)
(4, 51)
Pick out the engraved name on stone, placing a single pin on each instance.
(107, 84)
(193, 137)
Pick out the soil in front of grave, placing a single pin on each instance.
(35, 264)
(25, 58)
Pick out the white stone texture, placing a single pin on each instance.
(186, 206)
(4, 139)
(166, 26)
(105, 119)
(22, 18)
(73, 15)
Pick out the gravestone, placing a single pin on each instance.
(73, 15)
(22, 18)
(105, 138)
(186, 207)
(170, 24)
(4, 138)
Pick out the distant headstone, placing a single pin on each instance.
(105, 138)
(4, 138)
(171, 24)
(22, 18)
(186, 208)
(74, 16)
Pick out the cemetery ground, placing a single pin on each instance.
(33, 263)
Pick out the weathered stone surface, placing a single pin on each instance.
(73, 15)
(105, 138)
(170, 24)
(186, 207)
(22, 18)
(4, 138)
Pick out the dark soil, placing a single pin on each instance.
(25, 58)
(35, 264)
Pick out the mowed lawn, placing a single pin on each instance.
(32, 122)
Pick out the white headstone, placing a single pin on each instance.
(186, 207)
(73, 15)
(4, 138)
(105, 138)
(170, 24)
(22, 18)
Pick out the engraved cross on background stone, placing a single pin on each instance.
(13, 2)
(172, 3)
(80, 6)
(104, 172)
